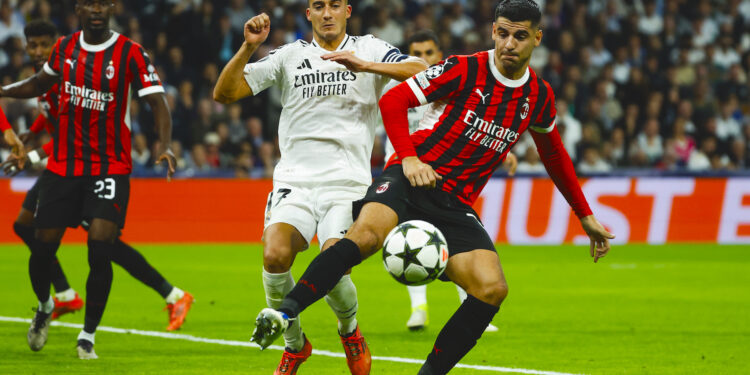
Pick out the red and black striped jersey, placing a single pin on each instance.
(476, 117)
(92, 137)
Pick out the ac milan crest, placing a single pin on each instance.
(524, 110)
(383, 187)
(110, 72)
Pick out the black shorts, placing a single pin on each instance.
(458, 221)
(32, 196)
(67, 201)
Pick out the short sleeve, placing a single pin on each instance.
(265, 72)
(145, 79)
(545, 121)
(52, 66)
(439, 81)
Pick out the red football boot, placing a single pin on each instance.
(290, 362)
(178, 311)
(62, 308)
(357, 353)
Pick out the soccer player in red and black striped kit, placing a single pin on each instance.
(481, 105)
(87, 174)
(40, 38)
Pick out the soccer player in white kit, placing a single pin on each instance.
(425, 44)
(330, 89)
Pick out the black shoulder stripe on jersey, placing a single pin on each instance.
(71, 128)
(88, 82)
(541, 99)
(104, 86)
(121, 85)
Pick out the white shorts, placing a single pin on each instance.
(325, 210)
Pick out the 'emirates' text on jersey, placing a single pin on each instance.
(330, 114)
(93, 133)
(477, 117)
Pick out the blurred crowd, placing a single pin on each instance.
(644, 84)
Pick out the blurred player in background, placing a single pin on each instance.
(40, 38)
(488, 100)
(425, 44)
(87, 176)
(329, 93)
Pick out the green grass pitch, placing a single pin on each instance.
(673, 309)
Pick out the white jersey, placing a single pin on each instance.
(330, 114)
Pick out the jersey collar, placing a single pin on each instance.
(99, 47)
(503, 79)
(339, 48)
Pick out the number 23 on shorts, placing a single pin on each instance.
(105, 188)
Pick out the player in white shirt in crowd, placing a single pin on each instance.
(330, 89)
(425, 44)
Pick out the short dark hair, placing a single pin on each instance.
(423, 36)
(40, 28)
(519, 11)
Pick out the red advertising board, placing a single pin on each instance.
(516, 211)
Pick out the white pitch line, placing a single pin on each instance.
(326, 353)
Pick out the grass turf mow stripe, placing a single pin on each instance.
(178, 336)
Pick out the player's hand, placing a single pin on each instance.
(16, 145)
(24, 137)
(13, 165)
(257, 29)
(599, 237)
(510, 164)
(419, 174)
(347, 59)
(168, 155)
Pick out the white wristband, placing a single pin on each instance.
(33, 157)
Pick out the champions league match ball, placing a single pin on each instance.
(415, 253)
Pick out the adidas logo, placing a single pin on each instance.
(305, 65)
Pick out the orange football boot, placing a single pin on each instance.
(178, 311)
(357, 353)
(290, 362)
(62, 308)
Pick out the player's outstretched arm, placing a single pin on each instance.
(30, 87)
(163, 121)
(399, 71)
(231, 85)
(560, 169)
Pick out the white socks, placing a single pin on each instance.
(175, 295)
(86, 336)
(66, 295)
(343, 301)
(461, 293)
(277, 285)
(48, 306)
(418, 295)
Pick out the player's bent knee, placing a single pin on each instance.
(493, 293)
(277, 258)
(367, 239)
